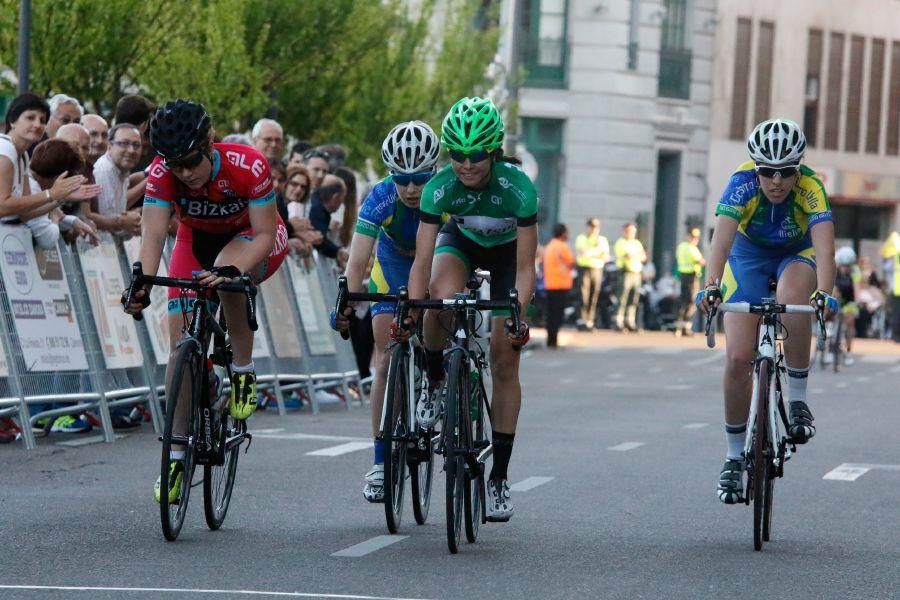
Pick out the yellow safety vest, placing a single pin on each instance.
(689, 257)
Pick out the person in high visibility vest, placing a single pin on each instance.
(592, 252)
(690, 267)
(630, 258)
(890, 251)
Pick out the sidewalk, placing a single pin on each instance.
(665, 339)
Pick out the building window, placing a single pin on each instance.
(813, 86)
(543, 138)
(741, 86)
(764, 65)
(876, 85)
(854, 93)
(544, 47)
(833, 101)
(674, 55)
(893, 121)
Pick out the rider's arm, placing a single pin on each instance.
(723, 237)
(420, 274)
(264, 221)
(823, 243)
(526, 246)
(360, 251)
(154, 229)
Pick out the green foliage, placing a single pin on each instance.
(328, 70)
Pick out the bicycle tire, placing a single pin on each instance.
(187, 373)
(474, 499)
(422, 468)
(454, 443)
(836, 343)
(396, 439)
(759, 472)
(218, 480)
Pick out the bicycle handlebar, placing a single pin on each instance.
(245, 286)
(765, 308)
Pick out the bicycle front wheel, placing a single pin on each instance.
(182, 400)
(455, 446)
(759, 469)
(396, 437)
(474, 500)
(218, 480)
(422, 466)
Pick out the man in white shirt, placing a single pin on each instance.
(268, 138)
(111, 172)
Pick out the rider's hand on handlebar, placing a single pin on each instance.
(708, 298)
(402, 333)
(140, 301)
(520, 338)
(824, 301)
(218, 275)
(341, 322)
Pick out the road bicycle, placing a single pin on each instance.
(767, 446)
(213, 438)
(410, 449)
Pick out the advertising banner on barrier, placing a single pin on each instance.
(312, 305)
(261, 346)
(41, 304)
(104, 282)
(283, 326)
(156, 315)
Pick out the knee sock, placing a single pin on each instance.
(434, 364)
(379, 452)
(242, 368)
(176, 454)
(734, 438)
(797, 379)
(503, 445)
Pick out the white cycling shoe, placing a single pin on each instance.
(499, 504)
(374, 489)
(430, 404)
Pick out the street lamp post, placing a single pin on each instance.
(24, 44)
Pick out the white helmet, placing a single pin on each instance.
(410, 147)
(777, 142)
(845, 256)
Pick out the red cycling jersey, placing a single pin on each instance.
(240, 179)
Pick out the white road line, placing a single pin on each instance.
(665, 351)
(529, 483)
(341, 449)
(626, 446)
(841, 384)
(277, 430)
(817, 390)
(714, 357)
(307, 436)
(846, 472)
(695, 425)
(72, 588)
(84, 441)
(376, 543)
(677, 387)
(883, 359)
(863, 378)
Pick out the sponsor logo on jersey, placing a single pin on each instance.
(222, 183)
(204, 208)
(439, 194)
(506, 184)
(239, 159)
(262, 186)
(809, 195)
(158, 170)
(496, 200)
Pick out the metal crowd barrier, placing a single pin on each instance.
(66, 340)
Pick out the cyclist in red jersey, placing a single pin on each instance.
(228, 225)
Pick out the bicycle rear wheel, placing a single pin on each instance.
(837, 349)
(218, 480)
(455, 445)
(474, 499)
(422, 466)
(396, 437)
(182, 400)
(759, 472)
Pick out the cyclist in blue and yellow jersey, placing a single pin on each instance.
(773, 220)
(493, 209)
(846, 287)
(390, 216)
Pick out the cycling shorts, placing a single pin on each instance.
(197, 250)
(389, 273)
(850, 308)
(500, 260)
(749, 267)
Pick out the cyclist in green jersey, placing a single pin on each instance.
(493, 208)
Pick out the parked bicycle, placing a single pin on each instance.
(213, 438)
(767, 446)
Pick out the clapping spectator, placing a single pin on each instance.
(112, 174)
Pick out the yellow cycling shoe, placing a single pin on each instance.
(243, 395)
(176, 475)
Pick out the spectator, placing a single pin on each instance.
(98, 130)
(630, 257)
(296, 194)
(80, 139)
(317, 163)
(890, 252)
(326, 200)
(351, 199)
(592, 251)
(871, 298)
(337, 155)
(112, 174)
(297, 150)
(690, 268)
(558, 264)
(137, 110)
(279, 176)
(237, 138)
(268, 138)
(63, 110)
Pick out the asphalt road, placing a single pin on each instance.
(628, 441)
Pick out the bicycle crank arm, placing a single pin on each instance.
(486, 453)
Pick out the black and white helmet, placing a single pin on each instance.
(777, 142)
(410, 147)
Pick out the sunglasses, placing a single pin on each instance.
(475, 156)
(184, 162)
(418, 179)
(771, 172)
(316, 154)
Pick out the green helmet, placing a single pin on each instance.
(472, 124)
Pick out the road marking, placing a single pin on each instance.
(715, 357)
(529, 483)
(884, 359)
(84, 441)
(626, 446)
(260, 431)
(72, 588)
(863, 378)
(695, 425)
(654, 370)
(853, 471)
(376, 543)
(341, 449)
(817, 391)
(894, 369)
(841, 384)
(308, 436)
(666, 351)
(676, 387)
